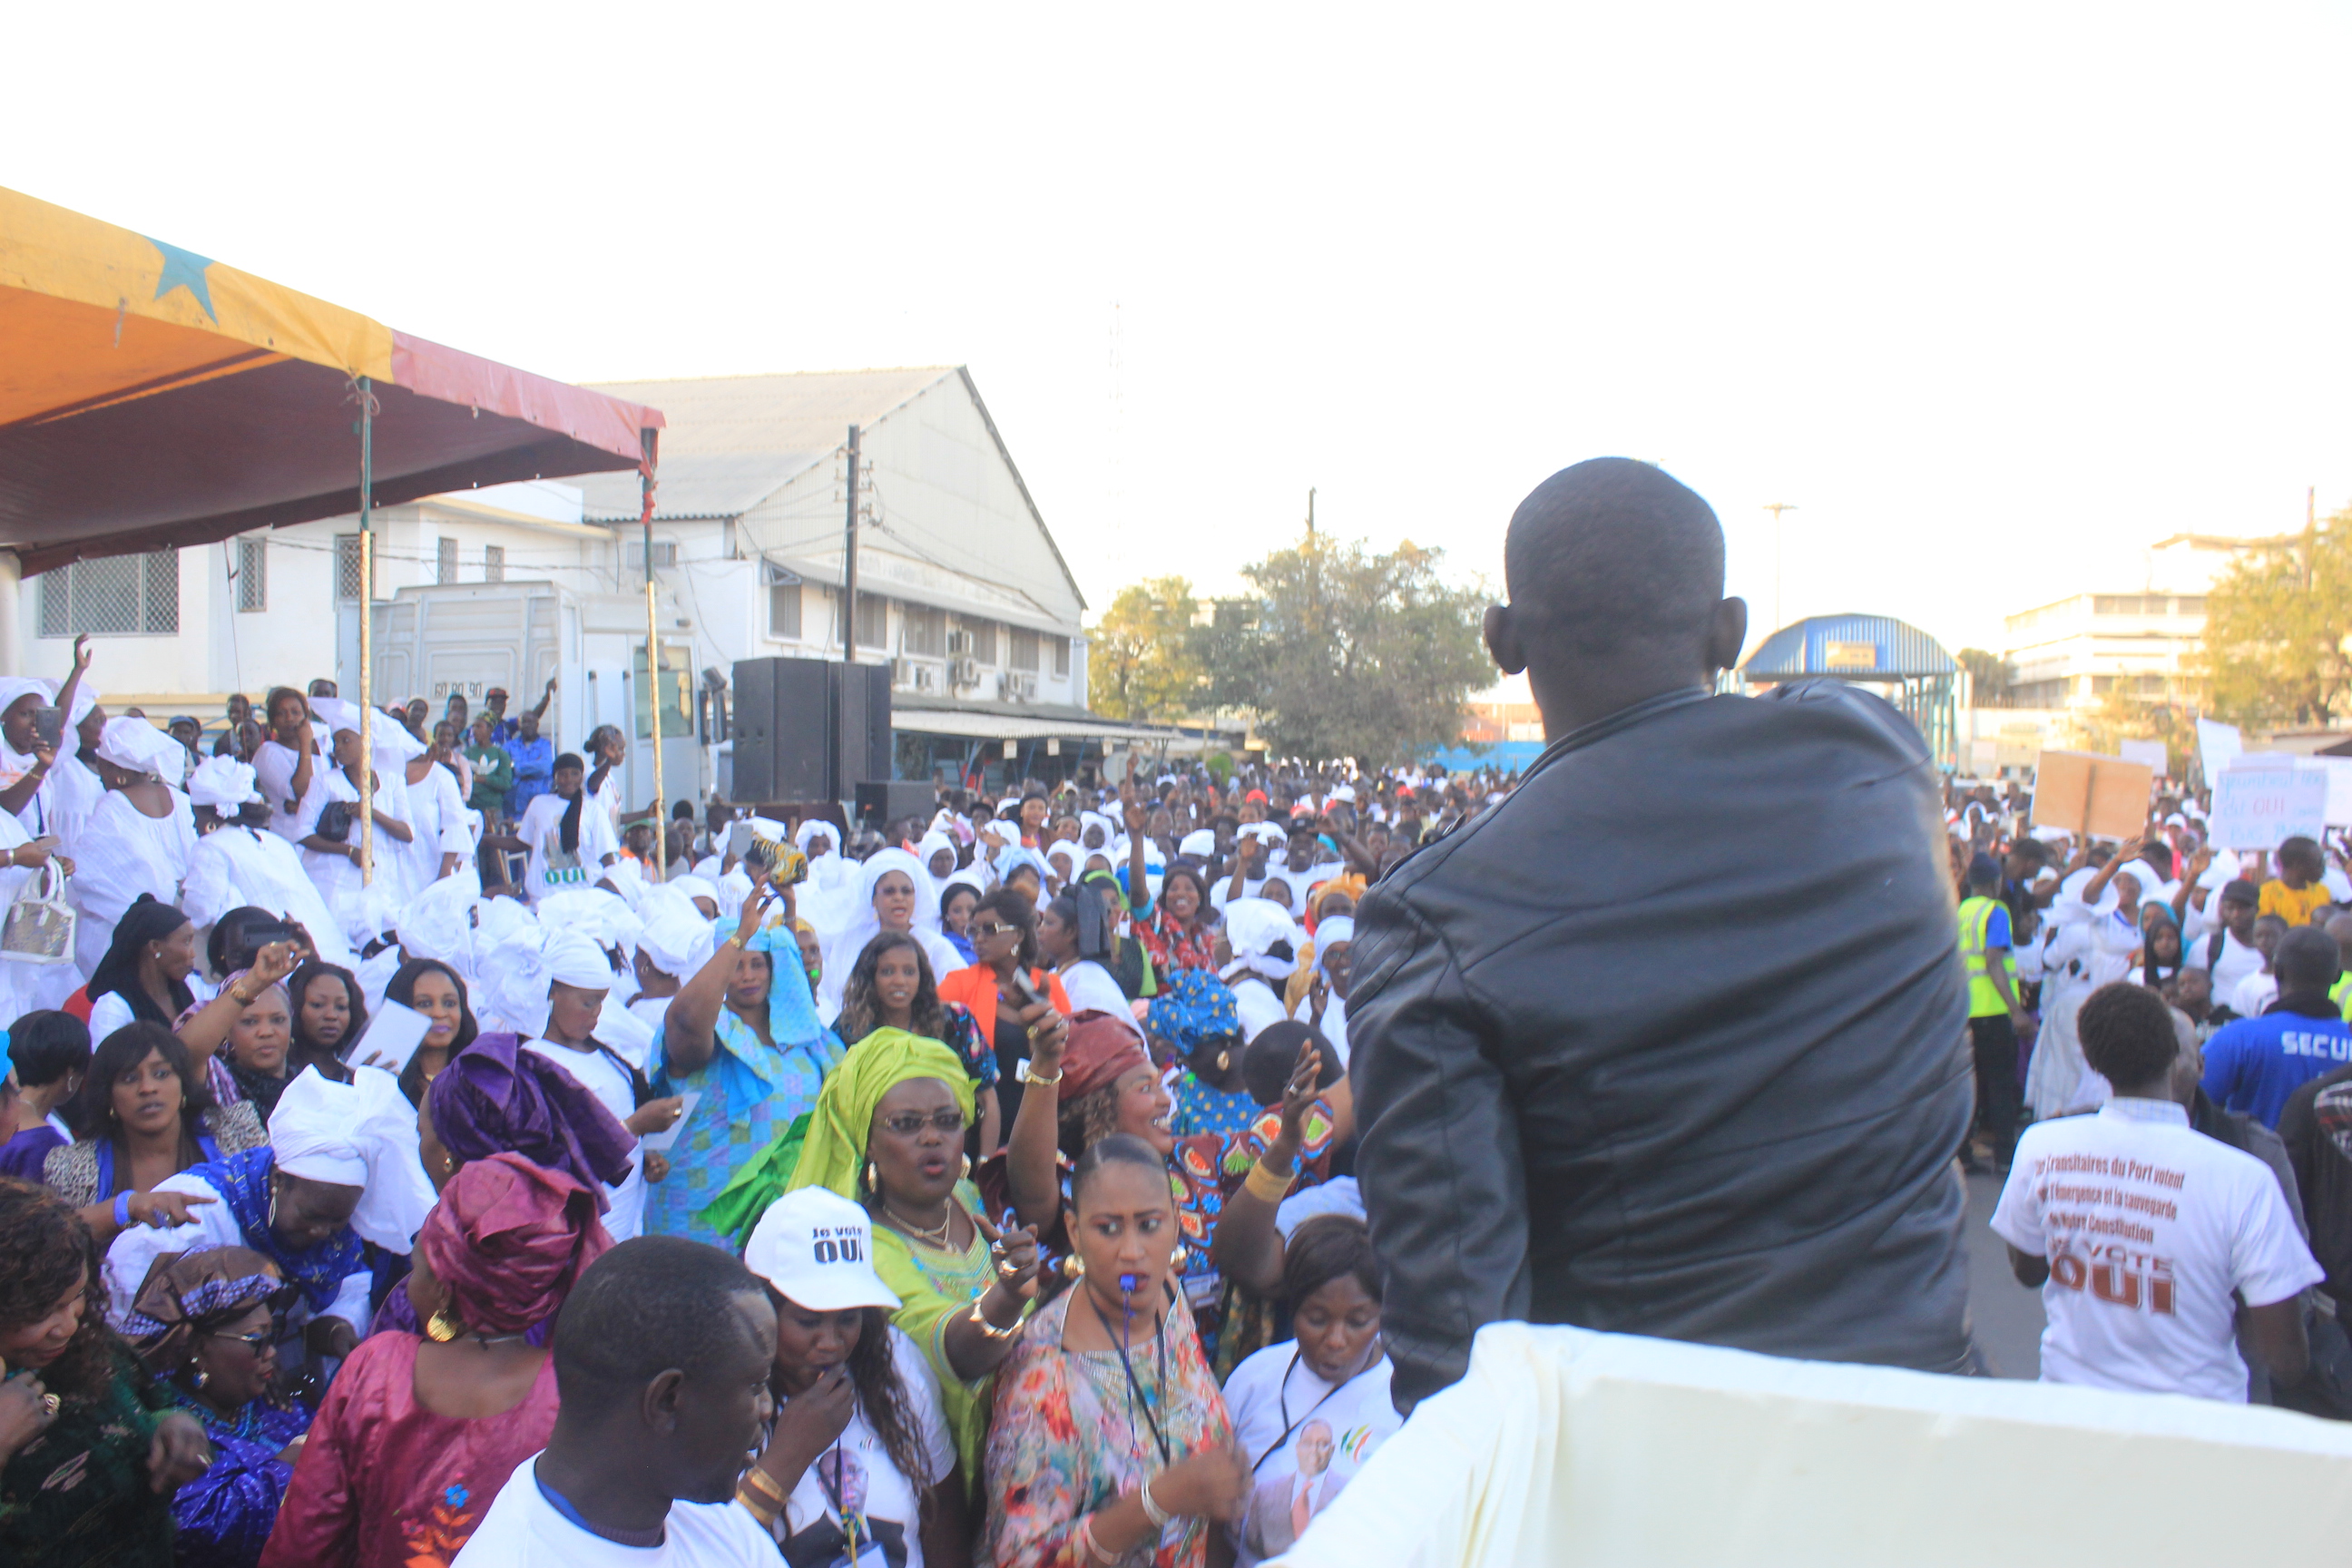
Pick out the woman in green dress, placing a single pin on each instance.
(91, 1449)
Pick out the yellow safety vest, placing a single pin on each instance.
(1976, 921)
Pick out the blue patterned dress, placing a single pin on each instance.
(224, 1516)
(751, 1092)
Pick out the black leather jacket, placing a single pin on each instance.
(1674, 1042)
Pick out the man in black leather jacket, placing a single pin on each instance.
(1673, 1041)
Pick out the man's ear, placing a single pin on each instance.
(1726, 635)
(658, 1406)
(1503, 641)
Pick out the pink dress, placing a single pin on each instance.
(386, 1483)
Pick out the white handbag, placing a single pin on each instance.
(39, 927)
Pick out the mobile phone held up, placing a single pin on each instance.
(50, 724)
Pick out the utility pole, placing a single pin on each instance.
(849, 563)
(1311, 512)
(1776, 509)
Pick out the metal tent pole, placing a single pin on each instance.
(653, 670)
(367, 635)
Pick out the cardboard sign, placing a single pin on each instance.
(2218, 746)
(2339, 786)
(2257, 809)
(2152, 753)
(2083, 792)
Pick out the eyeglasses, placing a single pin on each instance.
(991, 929)
(950, 1123)
(257, 1342)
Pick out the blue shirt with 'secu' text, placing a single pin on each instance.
(2253, 1065)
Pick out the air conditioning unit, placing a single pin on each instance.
(964, 671)
(926, 679)
(1021, 688)
(902, 672)
(960, 647)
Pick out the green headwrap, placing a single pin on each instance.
(825, 1148)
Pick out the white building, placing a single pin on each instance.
(961, 585)
(2071, 652)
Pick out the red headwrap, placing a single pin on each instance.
(509, 1240)
(1102, 1048)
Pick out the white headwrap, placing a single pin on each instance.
(814, 827)
(573, 960)
(1201, 841)
(1329, 934)
(386, 735)
(86, 698)
(438, 921)
(1096, 819)
(694, 886)
(676, 943)
(360, 1134)
(136, 744)
(221, 782)
(933, 843)
(13, 688)
(1254, 927)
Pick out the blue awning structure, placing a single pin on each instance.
(1871, 650)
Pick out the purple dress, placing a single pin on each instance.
(224, 1516)
(23, 1155)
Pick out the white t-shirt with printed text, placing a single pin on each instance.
(2148, 1227)
(858, 1472)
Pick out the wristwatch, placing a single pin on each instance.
(1022, 1074)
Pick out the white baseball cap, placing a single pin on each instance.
(816, 1247)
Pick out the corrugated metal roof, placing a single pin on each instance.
(734, 440)
(1837, 644)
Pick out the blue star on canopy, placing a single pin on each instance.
(185, 269)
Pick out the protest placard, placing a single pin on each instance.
(2083, 792)
(2257, 807)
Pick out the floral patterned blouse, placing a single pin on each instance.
(1068, 1440)
(1174, 945)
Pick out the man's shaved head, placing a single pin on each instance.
(1612, 550)
(1615, 570)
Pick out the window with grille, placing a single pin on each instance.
(123, 595)
(444, 561)
(665, 556)
(984, 640)
(872, 621)
(925, 631)
(347, 566)
(785, 610)
(252, 575)
(1023, 656)
(1062, 658)
(494, 564)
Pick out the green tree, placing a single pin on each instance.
(1343, 651)
(1141, 663)
(1989, 675)
(2276, 624)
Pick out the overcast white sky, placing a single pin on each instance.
(1996, 295)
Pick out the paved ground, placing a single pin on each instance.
(2006, 1315)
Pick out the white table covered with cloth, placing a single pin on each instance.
(1573, 1449)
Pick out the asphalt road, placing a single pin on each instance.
(2005, 1315)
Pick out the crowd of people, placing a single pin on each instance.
(2167, 1019)
(977, 1187)
(1095, 1173)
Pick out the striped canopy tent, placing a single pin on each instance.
(1872, 650)
(151, 397)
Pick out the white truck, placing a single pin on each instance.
(466, 638)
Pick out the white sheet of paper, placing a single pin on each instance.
(393, 1034)
(661, 1141)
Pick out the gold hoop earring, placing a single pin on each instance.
(442, 1328)
(967, 1167)
(873, 1179)
(1224, 1061)
(1180, 1256)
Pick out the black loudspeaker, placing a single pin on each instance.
(782, 717)
(861, 708)
(881, 802)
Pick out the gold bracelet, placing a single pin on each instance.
(1264, 1183)
(766, 1484)
(755, 1508)
(990, 1330)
